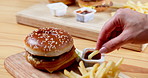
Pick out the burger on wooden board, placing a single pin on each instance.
(67, 2)
(50, 49)
(98, 5)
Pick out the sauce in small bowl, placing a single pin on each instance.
(99, 58)
(84, 14)
(96, 57)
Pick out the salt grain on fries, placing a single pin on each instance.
(105, 70)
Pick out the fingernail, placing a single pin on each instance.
(103, 50)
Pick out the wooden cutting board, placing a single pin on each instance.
(18, 67)
(39, 16)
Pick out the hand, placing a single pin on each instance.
(126, 26)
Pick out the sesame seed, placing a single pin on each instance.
(46, 39)
(37, 62)
(51, 39)
(46, 49)
(35, 47)
(41, 42)
(48, 43)
(45, 46)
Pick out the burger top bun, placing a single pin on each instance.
(48, 42)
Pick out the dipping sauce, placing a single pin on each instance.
(98, 56)
(84, 12)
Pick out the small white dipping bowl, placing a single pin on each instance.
(84, 17)
(93, 61)
(57, 9)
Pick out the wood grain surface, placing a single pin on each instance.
(20, 68)
(13, 34)
(39, 16)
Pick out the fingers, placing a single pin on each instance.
(132, 25)
(106, 31)
(103, 35)
(115, 43)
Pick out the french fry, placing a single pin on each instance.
(119, 62)
(88, 69)
(100, 68)
(68, 74)
(92, 72)
(137, 6)
(131, 4)
(93, 54)
(82, 68)
(86, 75)
(75, 74)
(102, 73)
(139, 3)
(116, 74)
(110, 65)
(111, 73)
(81, 71)
(109, 76)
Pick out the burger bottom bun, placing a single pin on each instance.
(67, 2)
(61, 62)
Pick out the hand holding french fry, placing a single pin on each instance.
(126, 26)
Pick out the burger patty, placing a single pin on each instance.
(42, 58)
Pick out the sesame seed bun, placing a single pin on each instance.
(48, 42)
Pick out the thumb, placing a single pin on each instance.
(114, 43)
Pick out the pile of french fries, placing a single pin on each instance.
(136, 6)
(142, 8)
(105, 70)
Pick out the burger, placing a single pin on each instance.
(67, 2)
(98, 5)
(50, 49)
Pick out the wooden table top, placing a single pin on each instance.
(13, 34)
